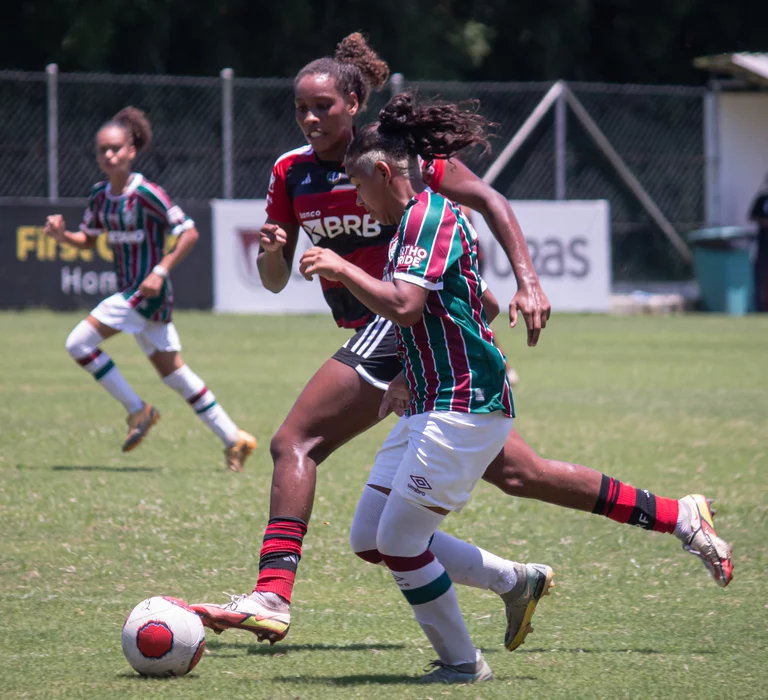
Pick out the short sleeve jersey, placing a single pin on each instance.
(317, 196)
(137, 223)
(449, 357)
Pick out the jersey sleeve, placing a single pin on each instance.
(432, 171)
(431, 242)
(173, 215)
(160, 206)
(279, 205)
(91, 225)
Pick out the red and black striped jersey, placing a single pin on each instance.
(318, 196)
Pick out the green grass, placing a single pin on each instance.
(672, 404)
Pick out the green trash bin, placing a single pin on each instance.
(722, 262)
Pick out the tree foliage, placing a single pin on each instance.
(653, 41)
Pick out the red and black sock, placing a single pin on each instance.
(280, 556)
(626, 504)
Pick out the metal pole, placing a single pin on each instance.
(227, 128)
(561, 138)
(396, 84)
(712, 156)
(52, 90)
(626, 174)
(524, 132)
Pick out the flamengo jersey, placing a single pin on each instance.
(449, 358)
(137, 223)
(318, 196)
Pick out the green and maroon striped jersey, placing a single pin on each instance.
(449, 357)
(136, 223)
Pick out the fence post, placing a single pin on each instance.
(52, 108)
(561, 140)
(227, 126)
(712, 155)
(396, 83)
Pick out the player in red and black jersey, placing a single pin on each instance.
(309, 190)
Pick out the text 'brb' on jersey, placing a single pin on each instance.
(137, 223)
(318, 196)
(449, 358)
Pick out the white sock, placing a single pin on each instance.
(365, 524)
(402, 539)
(466, 564)
(82, 345)
(469, 565)
(193, 390)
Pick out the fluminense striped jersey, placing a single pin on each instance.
(449, 357)
(137, 223)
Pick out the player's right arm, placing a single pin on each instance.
(56, 229)
(278, 246)
(281, 232)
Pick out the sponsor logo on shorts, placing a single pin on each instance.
(419, 485)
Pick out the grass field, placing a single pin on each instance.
(673, 405)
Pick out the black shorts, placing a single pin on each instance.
(372, 353)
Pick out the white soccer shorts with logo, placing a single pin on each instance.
(436, 458)
(117, 313)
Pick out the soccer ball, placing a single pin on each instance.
(163, 637)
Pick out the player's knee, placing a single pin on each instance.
(290, 443)
(282, 444)
(82, 340)
(387, 541)
(362, 540)
(365, 523)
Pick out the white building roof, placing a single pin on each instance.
(752, 67)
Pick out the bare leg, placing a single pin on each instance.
(519, 471)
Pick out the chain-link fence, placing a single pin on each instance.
(208, 146)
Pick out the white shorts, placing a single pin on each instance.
(151, 336)
(436, 458)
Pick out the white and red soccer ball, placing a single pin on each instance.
(163, 636)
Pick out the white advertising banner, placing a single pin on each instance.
(569, 242)
(237, 286)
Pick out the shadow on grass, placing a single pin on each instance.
(577, 650)
(160, 679)
(359, 679)
(369, 678)
(214, 645)
(97, 468)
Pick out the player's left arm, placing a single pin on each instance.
(461, 185)
(152, 285)
(401, 302)
(176, 223)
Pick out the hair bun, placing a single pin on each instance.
(398, 113)
(354, 49)
(136, 123)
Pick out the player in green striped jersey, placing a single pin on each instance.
(460, 411)
(138, 217)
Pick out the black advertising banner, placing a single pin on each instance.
(36, 271)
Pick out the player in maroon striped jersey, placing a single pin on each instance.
(309, 189)
(138, 217)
